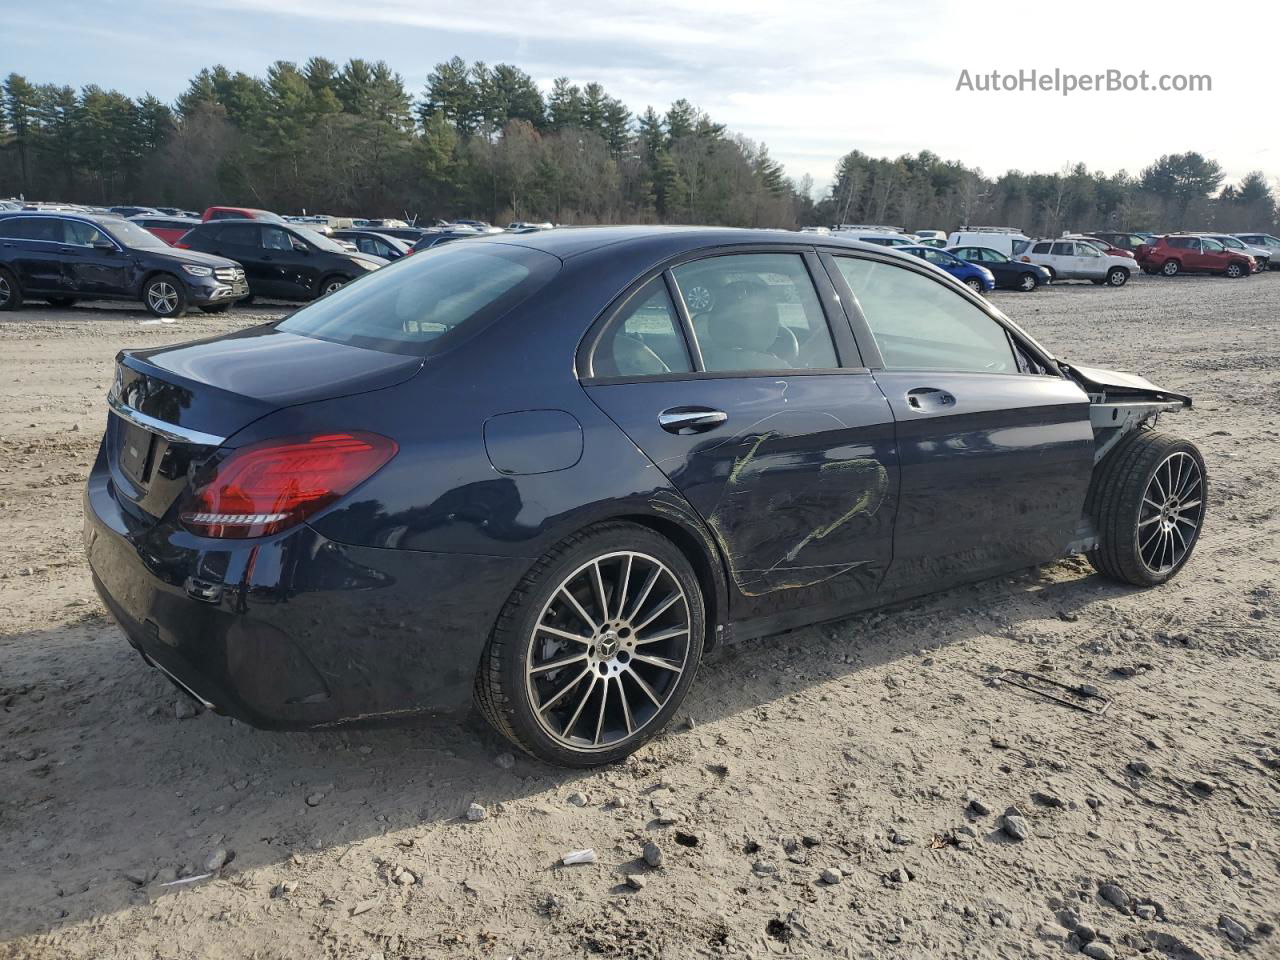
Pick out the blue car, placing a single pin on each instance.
(976, 278)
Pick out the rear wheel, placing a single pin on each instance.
(596, 648)
(1171, 268)
(1028, 282)
(10, 294)
(1147, 502)
(1117, 277)
(164, 296)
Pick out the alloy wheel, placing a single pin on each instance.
(162, 297)
(5, 291)
(1028, 282)
(1171, 512)
(1233, 270)
(608, 651)
(331, 286)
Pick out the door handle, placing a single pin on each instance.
(925, 399)
(687, 420)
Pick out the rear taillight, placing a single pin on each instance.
(181, 246)
(270, 486)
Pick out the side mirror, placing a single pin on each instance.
(300, 247)
(104, 245)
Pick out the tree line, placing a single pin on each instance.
(485, 141)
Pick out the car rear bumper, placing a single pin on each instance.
(296, 631)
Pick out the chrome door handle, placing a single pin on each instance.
(686, 420)
(929, 398)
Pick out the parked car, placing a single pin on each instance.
(525, 226)
(375, 243)
(241, 213)
(178, 212)
(974, 276)
(410, 235)
(1079, 260)
(932, 237)
(1108, 248)
(1124, 240)
(281, 261)
(429, 240)
(1188, 253)
(1261, 254)
(65, 257)
(884, 236)
(128, 212)
(1009, 274)
(440, 483)
(1010, 241)
(168, 229)
(1267, 242)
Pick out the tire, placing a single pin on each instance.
(1138, 543)
(974, 284)
(1117, 277)
(1053, 274)
(61, 301)
(329, 284)
(10, 292)
(522, 699)
(1150, 271)
(215, 308)
(1028, 282)
(164, 296)
(1171, 268)
(246, 301)
(1234, 271)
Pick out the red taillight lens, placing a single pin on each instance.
(181, 246)
(267, 487)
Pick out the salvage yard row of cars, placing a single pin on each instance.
(171, 260)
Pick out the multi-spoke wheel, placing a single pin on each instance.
(165, 297)
(596, 648)
(10, 293)
(1028, 282)
(1147, 503)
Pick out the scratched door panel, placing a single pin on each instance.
(798, 485)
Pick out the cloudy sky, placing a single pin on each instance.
(812, 80)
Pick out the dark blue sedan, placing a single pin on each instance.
(977, 278)
(551, 471)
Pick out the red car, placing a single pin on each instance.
(1107, 248)
(1188, 253)
(168, 229)
(241, 213)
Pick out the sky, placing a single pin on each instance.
(811, 80)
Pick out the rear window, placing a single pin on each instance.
(420, 304)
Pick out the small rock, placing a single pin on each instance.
(900, 874)
(1085, 933)
(1234, 930)
(636, 881)
(216, 860)
(28, 753)
(1140, 768)
(979, 806)
(1204, 786)
(578, 799)
(363, 907)
(184, 709)
(283, 889)
(763, 868)
(1115, 896)
(1145, 911)
(476, 813)
(313, 799)
(137, 877)
(166, 875)
(505, 760)
(831, 875)
(406, 878)
(1098, 951)
(1046, 799)
(652, 854)
(1052, 933)
(1014, 827)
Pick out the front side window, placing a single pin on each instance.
(273, 238)
(1213, 246)
(756, 311)
(921, 324)
(643, 339)
(1087, 250)
(421, 304)
(81, 233)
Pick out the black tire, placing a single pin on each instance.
(1235, 271)
(974, 284)
(246, 301)
(1117, 277)
(164, 296)
(1150, 271)
(10, 292)
(1171, 268)
(1119, 496)
(329, 284)
(215, 308)
(61, 301)
(1028, 282)
(502, 688)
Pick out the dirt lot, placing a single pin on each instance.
(855, 746)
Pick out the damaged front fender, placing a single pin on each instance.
(1120, 403)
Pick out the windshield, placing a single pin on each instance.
(318, 239)
(413, 305)
(131, 235)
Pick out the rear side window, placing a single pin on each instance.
(643, 339)
(1064, 249)
(1019, 246)
(421, 304)
(238, 235)
(1041, 248)
(756, 311)
(48, 229)
(920, 324)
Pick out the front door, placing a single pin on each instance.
(786, 454)
(94, 264)
(995, 453)
(287, 263)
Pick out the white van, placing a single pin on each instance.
(1010, 241)
(885, 236)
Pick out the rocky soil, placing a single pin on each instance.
(866, 788)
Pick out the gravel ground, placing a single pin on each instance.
(843, 790)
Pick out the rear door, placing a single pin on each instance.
(995, 453)
(31, 246)
(240, 242)
(728, 372)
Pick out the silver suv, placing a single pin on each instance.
(1079, 260)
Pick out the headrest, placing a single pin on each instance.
(749, 324)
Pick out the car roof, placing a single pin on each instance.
(567, 242)
(103, 219)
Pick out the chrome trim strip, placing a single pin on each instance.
(169, 431)
(168, 673)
